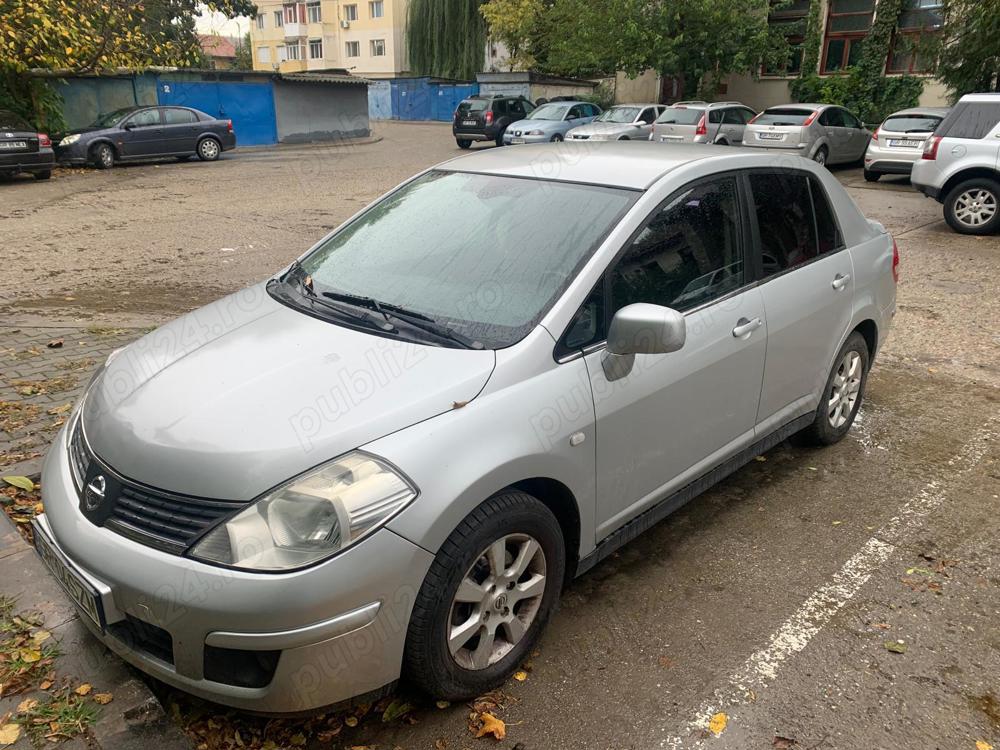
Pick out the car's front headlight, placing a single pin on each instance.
(535, 132)
(311, 517)
(69, 140)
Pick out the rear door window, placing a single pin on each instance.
(832, 117)
(970, 120)
(715, 116)
(173, 116)
(828, 236)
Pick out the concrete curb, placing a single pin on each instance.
(134, 719)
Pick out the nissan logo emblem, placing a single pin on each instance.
(93, 496)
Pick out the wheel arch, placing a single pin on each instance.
(869, 330)
(101, 141)
(559, 499)
(970, 173)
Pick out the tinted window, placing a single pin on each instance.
(516, 108)
(715, 115)
(783, 116)
(850, 121)
(911, 123)
(500, 107)
(144, 118)
(827, 229)
(832, 118)
(733, 117)
(680, 116)
(784, 219)
(472, 105)
(10, 121)
(970, 120)
(577, 111)
(179, 116)
(689, 253)
(648, 115)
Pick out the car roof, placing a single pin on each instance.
(637, 104)
(633, 164)
(936, 111)
(985, 97)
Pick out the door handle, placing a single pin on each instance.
(840, 280)
(745, 327)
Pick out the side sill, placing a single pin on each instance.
(681, 497)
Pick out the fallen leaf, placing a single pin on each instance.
(837, 523)
(30, 655)
(46, 684)
(55, 344)
(351, 721)
(396, 710)
(783, 743)
(520, 675)
(896, 647)
(26, 705)
(40, 636)
(491, 725)
(717, 724)
(759, 458)
(440, 744)
(22, 483)
(84, 689)
(298, 739)
(103, 699)
(442, 704)
(983, 745)
(9, 734)
(666, 662)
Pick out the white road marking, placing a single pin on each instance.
(796, 632)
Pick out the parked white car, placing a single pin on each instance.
(623, 122)
(898, 142)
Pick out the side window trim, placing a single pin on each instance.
(814, 186)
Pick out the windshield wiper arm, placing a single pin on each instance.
(306, 289)
(412, 317)
(361, 300)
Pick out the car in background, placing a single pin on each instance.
(721, 123)
(551, 122)
(486, 118)
(899, 141)
(825, 133)
(136, 133)
(623, 122)
(960, 165)
(23, 149)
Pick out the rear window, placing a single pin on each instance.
(911, 123)
(472, 105)
(680, 116)
(783, 116)
(970, 120)
(10, 121)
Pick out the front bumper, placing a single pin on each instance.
(337, 630)
(75, 153)
(511, 139)
(38, 161)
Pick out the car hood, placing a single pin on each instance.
(84, 131)
(543, 125)
(605, 128)
(237, 397)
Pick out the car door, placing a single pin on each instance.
(732, 125)
(674, 416)
(142, 135)
(180, 130)
(645, 121)
(806, 280)
(857, 136)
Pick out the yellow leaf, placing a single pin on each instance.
(26, 705)
(40, 636)
(442, 704)
(103, 698)
(69, 50)
(46, 684)
(83, 689)
(520, 675)
(351, 721)
(717, 724)
(30, 655)
(983, 745)
(491, 725)
(9, 734)
(298, 739)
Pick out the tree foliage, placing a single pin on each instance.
(446, 38)
(513, 22)
(968, 47)
(244, 55)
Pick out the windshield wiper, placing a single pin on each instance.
(306, 290)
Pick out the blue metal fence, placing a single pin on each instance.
(417, 98)
(249, 105)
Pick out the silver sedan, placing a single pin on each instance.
(623, 122)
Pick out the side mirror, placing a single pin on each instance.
(128, 126)
(641, 328)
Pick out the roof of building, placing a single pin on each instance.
(217, 46)
(336, 76)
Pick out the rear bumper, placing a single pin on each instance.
(41, 161)
(884, 166)
(929, 190)
(472, 137)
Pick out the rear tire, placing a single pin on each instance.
(842, 395)
(872, 176)
(103, 156)
(209, 149)
(499, 138)
(973, 206)
(463, 143)
(42, 175)
(468, 590)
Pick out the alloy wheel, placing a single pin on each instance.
(496, 602)
(106, 155)
(975, 207)
(820, 157)
(209, 148)
(844, 390)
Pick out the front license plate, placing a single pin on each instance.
(11, 145)
(517, 140)
(74, 584)
(469, 122)
(905, 143)
(770, 136)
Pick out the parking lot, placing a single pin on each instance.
(772, 600)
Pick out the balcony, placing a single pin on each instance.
(295, 30)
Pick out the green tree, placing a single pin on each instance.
(513, 22)
(968, 46)
(244, 57)
(446, 38)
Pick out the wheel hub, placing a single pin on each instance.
(844, 390)
(975, 207)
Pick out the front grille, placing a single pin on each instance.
(139, 635)
(160, 519)
(581, 137)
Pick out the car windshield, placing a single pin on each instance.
(680, 116)
(912, 123)
(618, 114)
(548, 112)
(108, 119)
(481, 254)
(783, 117)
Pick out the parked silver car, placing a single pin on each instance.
(550, 122)
(960, 165)
(389, 458)
(825, 133)
(623, 122)
(721, 123)
(899, 141)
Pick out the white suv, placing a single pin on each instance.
(960, 165)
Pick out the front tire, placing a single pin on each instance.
(842, 395)
(973, 206)
(872, 176)
(42, 175)
(821, 156)
(209, 149)
(104, 156)
(557, 138)
(486, 598)
(463, 143)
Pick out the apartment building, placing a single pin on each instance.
(362, 36)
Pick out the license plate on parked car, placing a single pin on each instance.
(11, 145)
(771, 136)
(74, 584)
(517, 140)
(468, 122)
(905, 143)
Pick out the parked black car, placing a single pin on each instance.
(135, 133)
(23, 149)
(485, 118)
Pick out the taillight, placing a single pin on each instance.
(44, 141)
(229, 125)
(931, 147)
(489, 117)
(809, 120)
(895, 261)
(875, 136)
(701, 129)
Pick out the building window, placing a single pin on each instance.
(260, 20)
(282, 53)
(350, 12)
(315, 49)
(314, 13)
(848, 24)
(789, 20)
(376, 9)
(279, 19)
(294, 51)
(919, 20)
(352, 49)
(291, 14)
(377, 47)
(264, 55)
